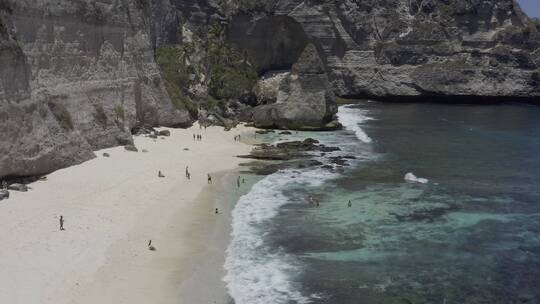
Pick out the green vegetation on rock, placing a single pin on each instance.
(100, 116)
(231, 74)
(120, 112)
(176, 73)
(209, 61)
(61, 114)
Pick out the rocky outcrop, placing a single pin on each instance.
(76, 76)
(304, 100)
(407, 49)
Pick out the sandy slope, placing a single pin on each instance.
(112, 207)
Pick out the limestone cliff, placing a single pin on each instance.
(76, 75)
(470, 50)
(304, 100)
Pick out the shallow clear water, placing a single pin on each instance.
(470, 235)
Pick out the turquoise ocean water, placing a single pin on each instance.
(471, 234)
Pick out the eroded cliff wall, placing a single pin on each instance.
(406, 49)
(76, 76)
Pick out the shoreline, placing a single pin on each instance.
(112, 207)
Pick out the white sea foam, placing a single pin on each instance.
(255, 273)
(351, 118)
(410, 177)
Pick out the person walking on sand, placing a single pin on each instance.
(238, 182)
(187, 172)
(209, 179)
(62, 223)
(350, 204)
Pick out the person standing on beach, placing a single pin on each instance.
(350, 204)
(238, 182)
(62, 223)
(187, 171)
(209, 179)
(194, 137)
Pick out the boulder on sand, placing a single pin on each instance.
(131, 148)
(18, 187)
(164, 133)
(4, 194)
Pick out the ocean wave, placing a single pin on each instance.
(254, 274)
(257, 274)
(351, 118)
(410, 177)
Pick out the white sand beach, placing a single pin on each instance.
(112, 207)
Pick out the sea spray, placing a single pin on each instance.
(256, 273)
(351, 118)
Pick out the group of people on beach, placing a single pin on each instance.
(197, 137)
(238, 181)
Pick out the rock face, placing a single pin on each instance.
(76, 76)
(304, 100)
(464, 50)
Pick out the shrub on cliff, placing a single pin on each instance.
(61, 114)
(176, 74)
(231, 74)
